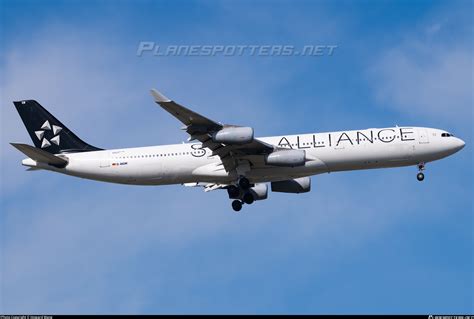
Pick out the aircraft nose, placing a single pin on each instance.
(458, 144)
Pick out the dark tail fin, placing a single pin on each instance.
(47, 132)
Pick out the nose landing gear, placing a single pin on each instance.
(420, 176)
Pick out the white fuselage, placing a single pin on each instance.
(325, 152)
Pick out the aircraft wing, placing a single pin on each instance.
(194, 122)
(201, 128)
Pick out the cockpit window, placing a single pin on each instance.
(446, 134)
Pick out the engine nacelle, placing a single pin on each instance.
(295, 186)
(287, 158)
(233, 135)
(259, 191)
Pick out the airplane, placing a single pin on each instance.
(229, 157)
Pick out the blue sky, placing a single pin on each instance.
(361, 242)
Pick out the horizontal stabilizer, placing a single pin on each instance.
(40, 156)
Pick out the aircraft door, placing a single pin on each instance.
(105, 160)
(423, 136)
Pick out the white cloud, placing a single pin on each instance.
(78, 241)
(434, 28)
(427, 77)
(58, 72)
(57, 242)
(72, 249)
(101, 92)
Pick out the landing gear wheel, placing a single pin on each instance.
(420, 176)
(248, 198)
(237, 205)
(244, 183)
(421, 167)
(233, 191)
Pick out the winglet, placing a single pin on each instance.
(158, 96)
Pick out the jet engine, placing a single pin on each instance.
(259, 191)
(296, 186)
(233, 135)
(287, 158)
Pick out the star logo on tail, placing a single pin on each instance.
(47, 127)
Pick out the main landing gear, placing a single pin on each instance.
(244, 183)
(420, 176)
(241, 192)
(237, 205)
(248, 198)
